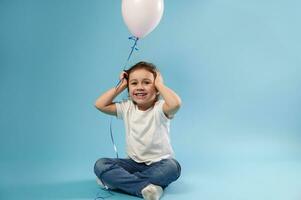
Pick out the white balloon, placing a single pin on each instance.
(142, 16)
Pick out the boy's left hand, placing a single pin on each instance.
(159, 79)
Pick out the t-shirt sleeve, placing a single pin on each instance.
(161, 112)
(121, 108)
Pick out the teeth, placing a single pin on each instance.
(140, 94)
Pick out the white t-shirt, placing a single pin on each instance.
(147, 132)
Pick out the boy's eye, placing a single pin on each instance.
(133, 83)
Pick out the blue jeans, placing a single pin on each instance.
(131, 177)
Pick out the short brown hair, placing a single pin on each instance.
(143, 65)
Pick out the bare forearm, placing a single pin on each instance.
(107, 98)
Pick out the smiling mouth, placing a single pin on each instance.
(140, 94)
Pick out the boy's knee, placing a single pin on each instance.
(101, 166)
(174, 169)
(169, 171)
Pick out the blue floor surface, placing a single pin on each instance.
(229, 170)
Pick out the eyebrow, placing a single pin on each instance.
(145, 79)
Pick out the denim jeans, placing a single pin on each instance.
(131, 177)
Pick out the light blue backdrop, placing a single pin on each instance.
(235, 64)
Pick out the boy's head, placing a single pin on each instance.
(141, 84)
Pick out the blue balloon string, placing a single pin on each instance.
(134, 47)
(112, 139)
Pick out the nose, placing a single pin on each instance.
(140, 86)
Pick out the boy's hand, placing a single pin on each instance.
(159, 79)
(123, 77)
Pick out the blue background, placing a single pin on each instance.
(235, 64)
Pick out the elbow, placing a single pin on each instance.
(178, 103)
(98, 105)
(177, 106)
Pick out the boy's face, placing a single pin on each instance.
(142, 88)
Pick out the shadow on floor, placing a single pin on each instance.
(84, 189)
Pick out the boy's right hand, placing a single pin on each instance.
(123, 77)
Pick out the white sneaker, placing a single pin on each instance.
(98, 181)
(152, 192)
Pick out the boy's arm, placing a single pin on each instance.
(172, 100)
(105, 103)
